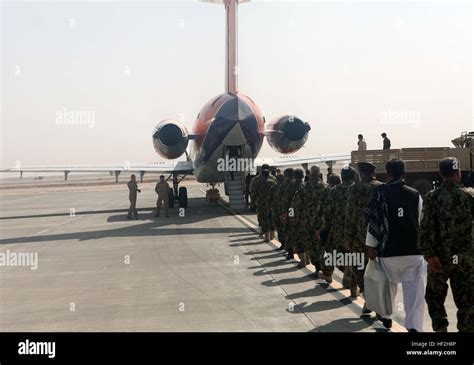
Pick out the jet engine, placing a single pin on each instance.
(287, 134)
(170, 139)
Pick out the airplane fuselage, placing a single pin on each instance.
(227, 120)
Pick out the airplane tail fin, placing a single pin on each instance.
(232, 69)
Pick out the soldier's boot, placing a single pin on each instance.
(317, 264)
(290, 254)
(302, 262)
(347, 279)
(266, 237)
(307, 258)
(282, 241)
(354, 292)
(129, 216)
(327, 278)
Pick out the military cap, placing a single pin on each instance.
(289, 172)
(449, 166)
(280, 177)
(299, 174)
(366, 167)
(348, 172)
(334, 179)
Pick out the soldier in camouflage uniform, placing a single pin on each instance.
(275, 205)
(255, 186)
(287, 197)
(253, 195)
(334, 215)
(298, 224)
(265, 185)
(333, 180)
(315, 192)
(446, 242)
(355, 227)
(289, 175)
(323, 232)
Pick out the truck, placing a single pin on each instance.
(421, 163)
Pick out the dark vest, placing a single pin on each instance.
(402, 221)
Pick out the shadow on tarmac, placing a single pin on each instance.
(147, 225)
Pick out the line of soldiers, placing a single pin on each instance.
(313, 218)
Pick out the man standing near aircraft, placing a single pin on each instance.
(253, 191)
(265, 185)
(132, 196)
(248, 180)
(162, 189)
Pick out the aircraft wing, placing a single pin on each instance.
(179, 167)
(291, 160)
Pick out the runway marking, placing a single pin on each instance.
(310, 269)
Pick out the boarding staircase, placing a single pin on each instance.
(234, 188)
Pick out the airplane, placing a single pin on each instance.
(230, 125)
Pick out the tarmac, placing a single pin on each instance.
(201, 269)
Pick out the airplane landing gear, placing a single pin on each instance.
(178, 194)
(183, 197)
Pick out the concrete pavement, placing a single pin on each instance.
(206, 271)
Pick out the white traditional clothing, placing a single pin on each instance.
(408, 270)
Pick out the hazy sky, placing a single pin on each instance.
(345, 67)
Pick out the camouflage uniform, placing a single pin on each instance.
(315, 194)
(276, 212)
(282, 208)
(264, 196)
(255, 191)
(334, 215)
(253, 195)
(355, 227)
(287, 195)
(446, 232)
(298, 221)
